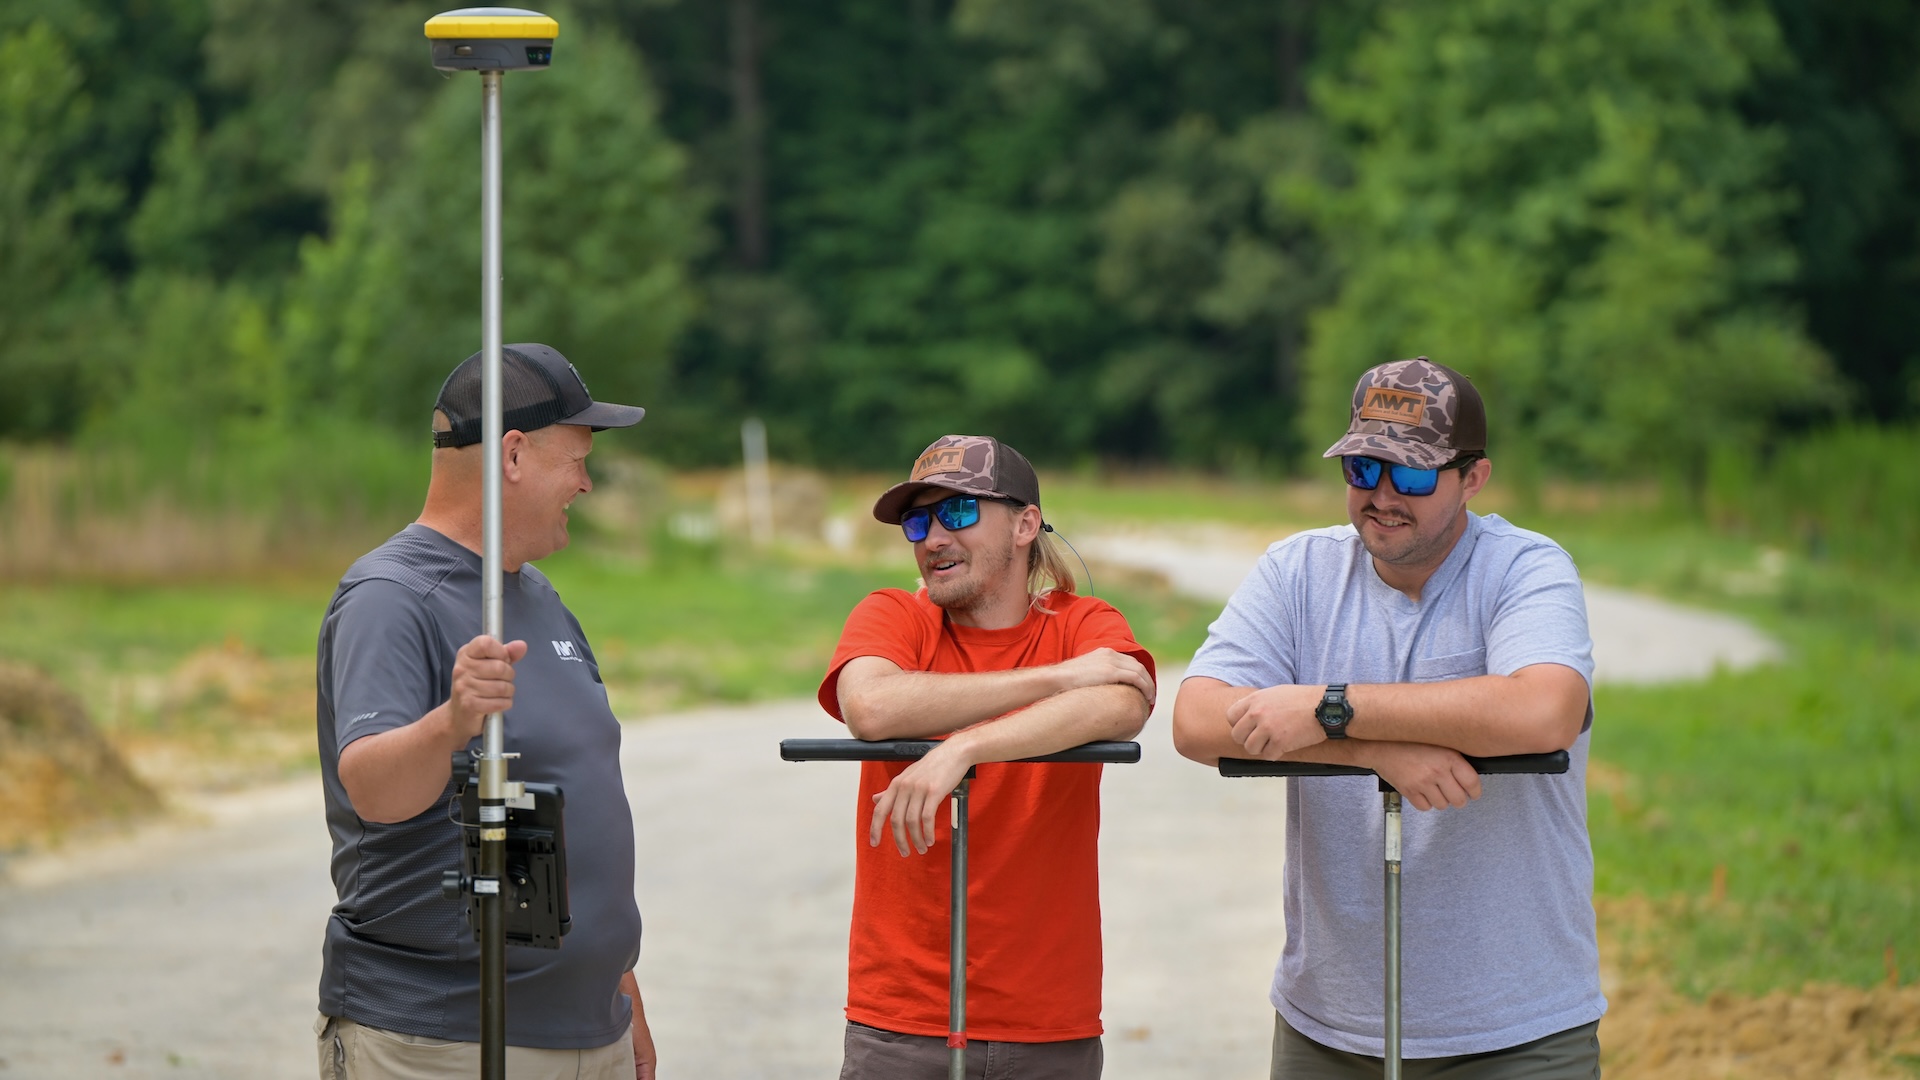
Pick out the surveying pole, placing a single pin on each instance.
(491, 41)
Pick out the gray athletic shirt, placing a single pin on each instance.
(1498, 944)
(397, 954)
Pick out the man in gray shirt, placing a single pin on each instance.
(1418, 634)
(405, 679)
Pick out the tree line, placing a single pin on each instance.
(1653, 231)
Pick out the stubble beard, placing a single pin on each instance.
(1415, 546)
(972, 590)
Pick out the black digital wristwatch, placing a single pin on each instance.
(1333, 712)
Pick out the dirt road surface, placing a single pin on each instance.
(191, 947)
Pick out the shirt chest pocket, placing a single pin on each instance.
(1461, 665)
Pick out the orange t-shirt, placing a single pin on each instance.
(1033, 885)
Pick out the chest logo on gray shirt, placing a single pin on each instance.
(567, 650)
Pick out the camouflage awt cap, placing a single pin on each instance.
(969, 464)
(1414, 412)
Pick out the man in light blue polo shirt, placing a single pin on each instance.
(1416, 635)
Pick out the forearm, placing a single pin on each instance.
(921, 704)
(398, 773)
(1536, 710)
(1200, 728)
(1067, 719)
(1201, 731)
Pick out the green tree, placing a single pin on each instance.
(1202, 253)
(50, 293)
(1850, 110)
(1564, 201)
(598, 229)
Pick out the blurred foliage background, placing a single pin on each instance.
(1135, 231)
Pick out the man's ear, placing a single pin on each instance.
(1026, 524)
(1476, 477)
(514, 447)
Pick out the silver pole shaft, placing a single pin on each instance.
(957, 942)
(493, 765)
(1392, 799)
(490, 422)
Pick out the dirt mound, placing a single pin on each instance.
(1819, 1033)
(60, 772)
(225, 718)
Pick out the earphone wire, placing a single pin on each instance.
(1044, 527)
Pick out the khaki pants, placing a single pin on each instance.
(350, 1051)
(873, 1054)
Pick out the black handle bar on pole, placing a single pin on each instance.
(1551, 764)
(897, 750)
(1111, 753)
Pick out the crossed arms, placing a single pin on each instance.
(1413, 734)
(989, 716)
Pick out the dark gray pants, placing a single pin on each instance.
(1573, 1054)
(874, 1054)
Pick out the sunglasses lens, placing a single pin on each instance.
(1411, 481)
(915, 524)
(1362, 472)
(958, 512)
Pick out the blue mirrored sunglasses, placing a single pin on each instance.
(955, 513)
(1364, 473)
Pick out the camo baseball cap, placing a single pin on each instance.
(968, 464)
(1414, 412)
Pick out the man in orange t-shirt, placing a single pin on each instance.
(1000, 668)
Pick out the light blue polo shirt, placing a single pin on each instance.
(1498, 943)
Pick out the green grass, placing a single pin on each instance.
(1798, 785)
(1795, 785)
(698, 624)
(75, 630)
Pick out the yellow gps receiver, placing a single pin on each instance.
(492, 39)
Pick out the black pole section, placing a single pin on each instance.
(493, 952)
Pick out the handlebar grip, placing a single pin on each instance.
(1109, 753)
(1554, 763)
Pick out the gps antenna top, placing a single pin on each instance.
(492, 39)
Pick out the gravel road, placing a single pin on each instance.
(191, 948)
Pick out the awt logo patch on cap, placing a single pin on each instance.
(944, 460)
(1386, 404)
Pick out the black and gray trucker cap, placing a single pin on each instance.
(537, 388)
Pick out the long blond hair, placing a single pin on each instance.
(1047, 569)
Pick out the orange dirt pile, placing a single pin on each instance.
(224, 718)
(60, 773)
(1819, 1033)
